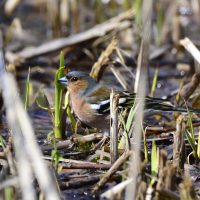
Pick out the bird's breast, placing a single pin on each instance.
(87, 114)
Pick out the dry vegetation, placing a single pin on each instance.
(147, 47)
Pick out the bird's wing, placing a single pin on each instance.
(99, 99)
(127, 100)
(150, 102)
(155, 104)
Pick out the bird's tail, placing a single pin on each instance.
(163, 106)
(159, 104)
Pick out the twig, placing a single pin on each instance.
(80, 182)
(88, 138)
(111, 171)
(68, 143)
(119, 22)
(111, 193)
(78, 164)
(169, 194)
(159, 130)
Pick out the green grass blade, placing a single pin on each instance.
(131, 116)
(198, 146)
(9, 193)
(58, 99)
(26, 99)
(154, 84)
(154, 161)
(62, 60)
(145, 147)
(2, 142)
(125, 137)
(42, 101)
(191, 126)
(138, 9)
(191, 141)
(190, 135)
(55, 155)
(189, 122)
(69, 113)
(127, 126)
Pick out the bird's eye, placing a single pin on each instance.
(73, 79)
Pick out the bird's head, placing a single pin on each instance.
(78, 82)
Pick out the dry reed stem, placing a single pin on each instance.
(176, 29)
(78, 164)
(27, 150)
(74, 7)
(179, 143)
(140, 89)
(10, 6)
(191, 48)
(167, 24)
(114, 126)
(117, 189)
(64, 12)
(11, 161)
(169, 176)
(162, 164)
(160, 130)
(166, 178)
(186, 189)
(119, 77)
(23, 166)
(103, 59)
(190, 87)
(120, 58)
(22, 156)
(168, 194)
(53, 15)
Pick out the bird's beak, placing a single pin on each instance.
(63, 80)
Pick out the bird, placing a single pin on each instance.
(90, 100)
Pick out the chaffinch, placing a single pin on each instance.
(91, 101)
